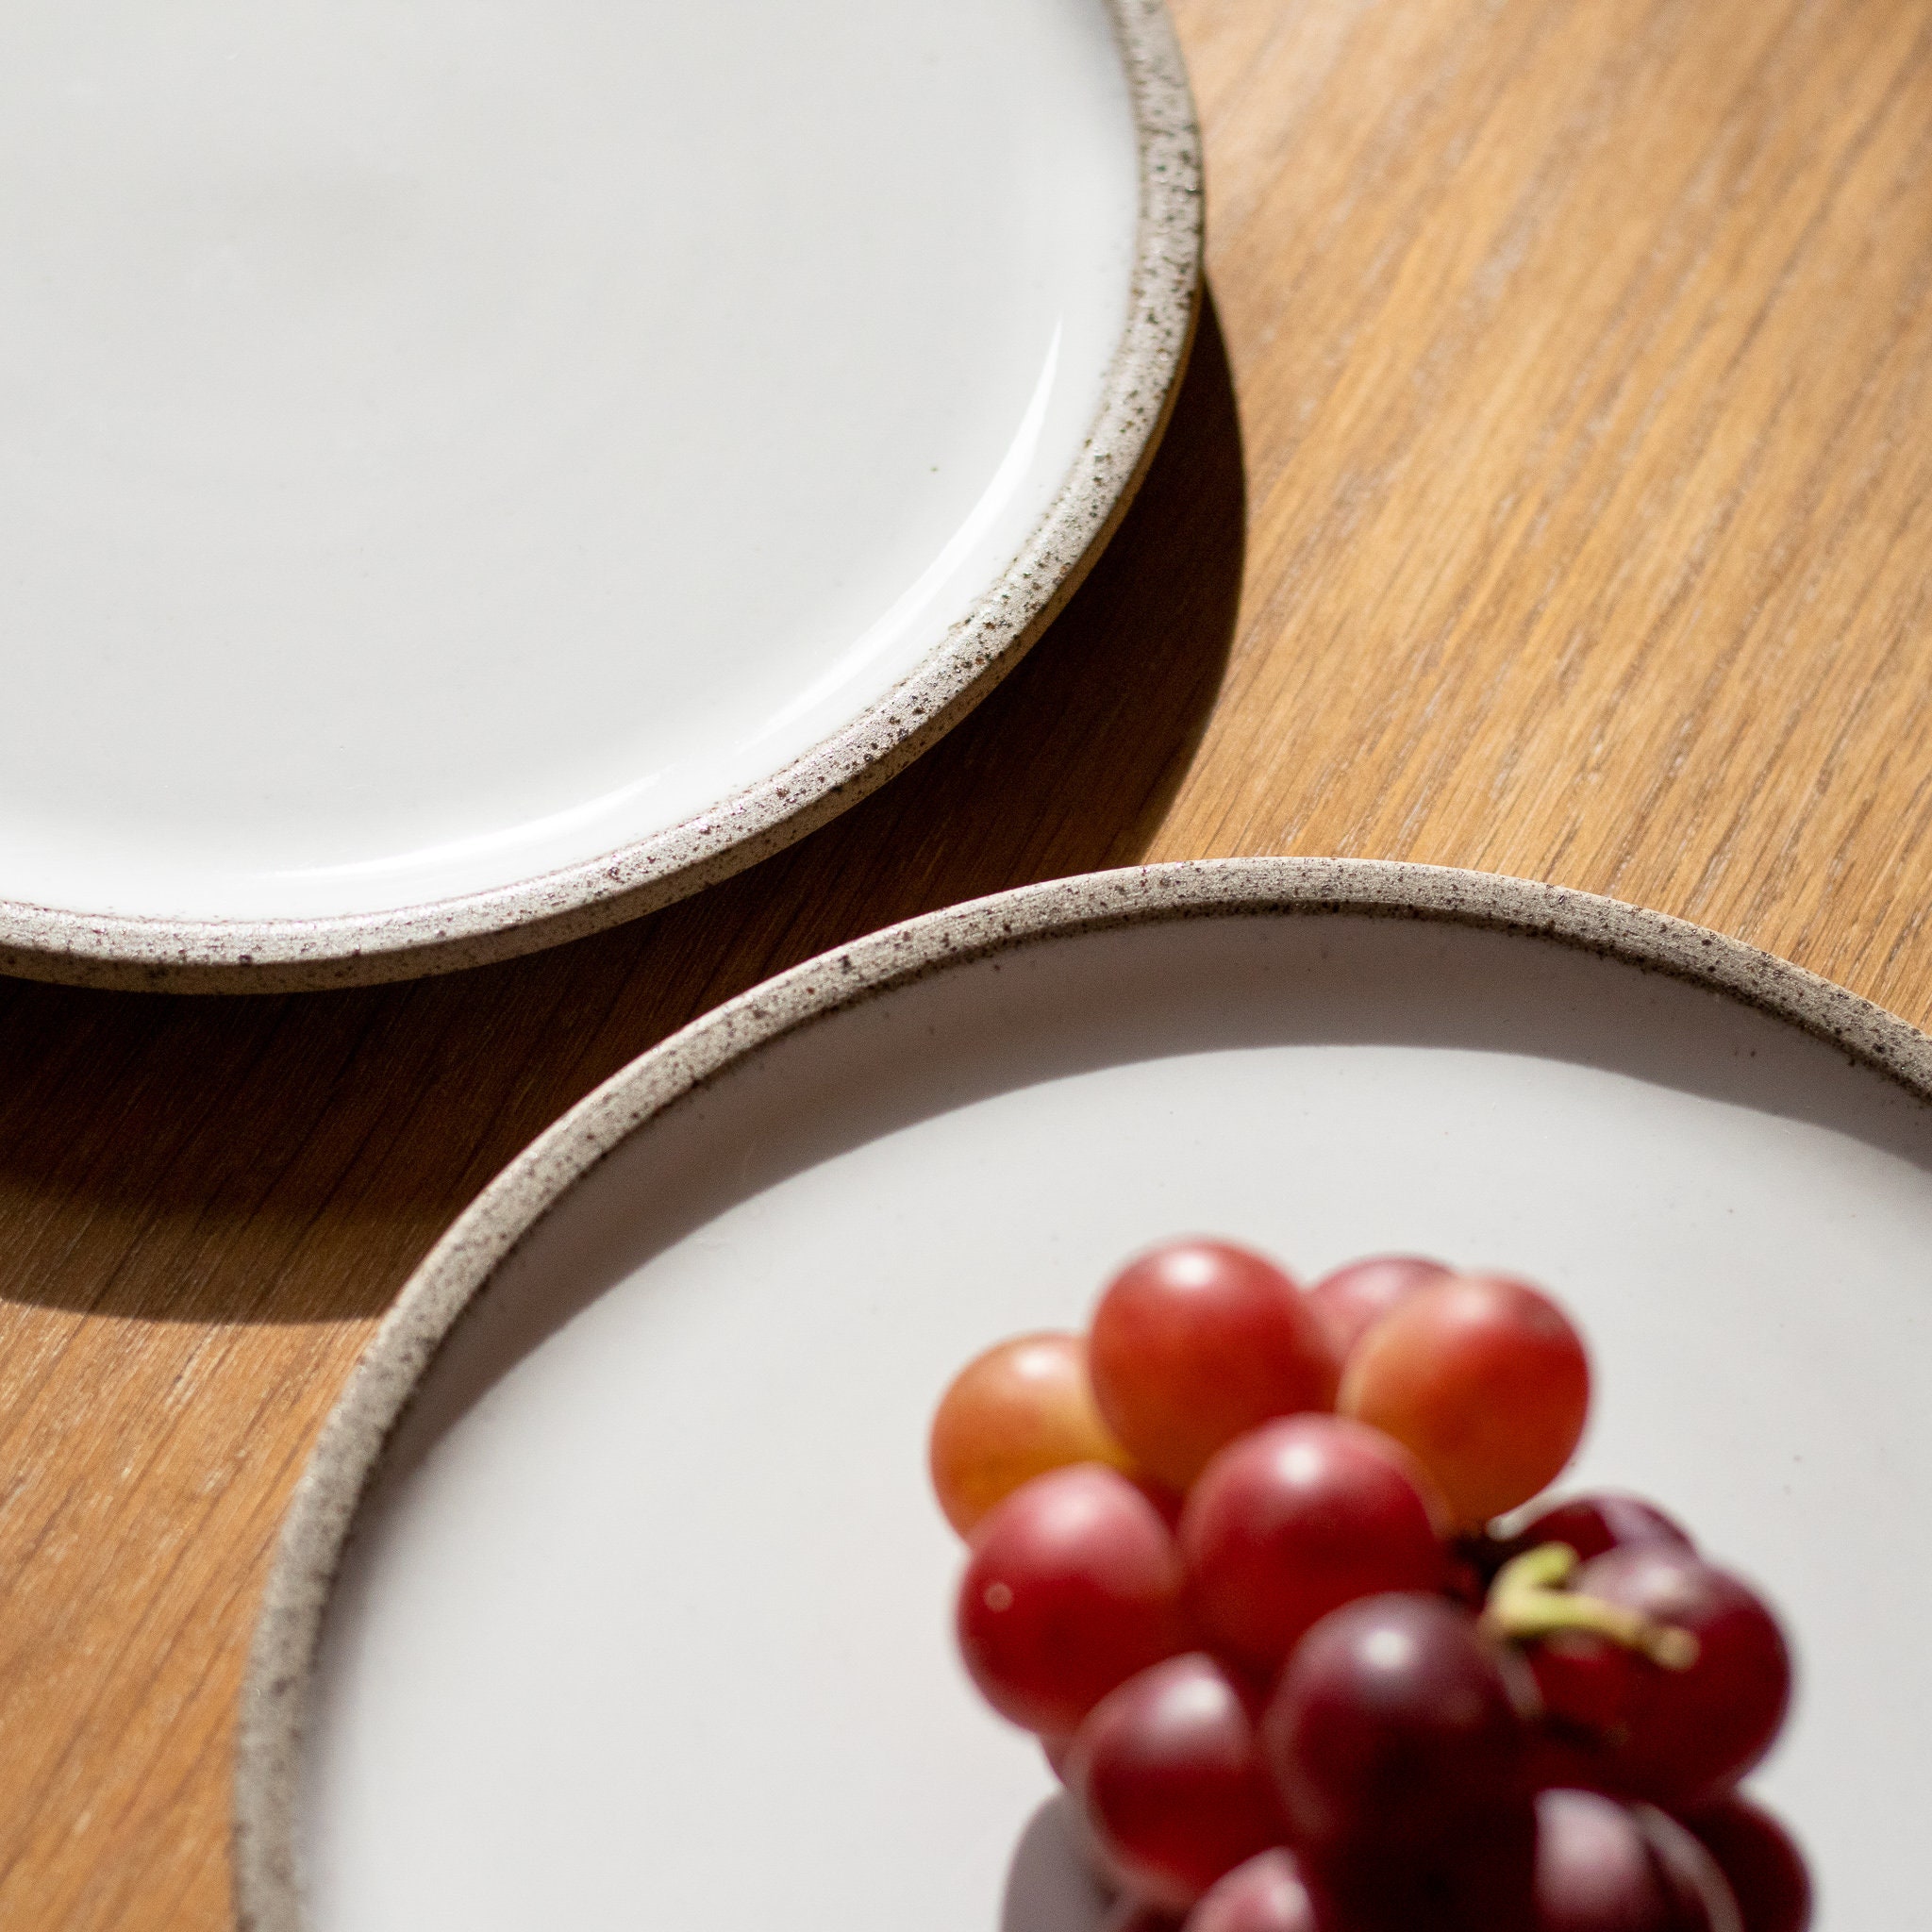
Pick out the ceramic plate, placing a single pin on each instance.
(644, 1616)
(476, 471)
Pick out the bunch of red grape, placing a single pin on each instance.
(1235, 1560)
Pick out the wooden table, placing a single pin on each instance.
(1551, 492)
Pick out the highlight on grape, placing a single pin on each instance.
(1255, 1563)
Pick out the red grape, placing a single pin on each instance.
(1392, 1726)
(1765, 1868)
(1011, 1414)
(1680, 1738)
(1173, 1478)
(1169, 1772)
(1605, 1867)
(1480, 1879)
(1483, 1380)
(1073, 1584)
(1297, 1518)
(1266, 1894)
(1591, 1524)
(1353, 1299)
(1194, 1344)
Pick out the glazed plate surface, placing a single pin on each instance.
(473, 472)
(645, 1617)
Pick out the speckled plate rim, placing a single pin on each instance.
(441, 936)
(328, 1494)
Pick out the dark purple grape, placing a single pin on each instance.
(1481, 1880)
(1130, 1915)
(1603, 1866)
(1698, 1882)
(1765, 1867)
(1678, 1738)
(1267, 1894)
(1588, 1524)
(1392, 1726)
(1605, 1520)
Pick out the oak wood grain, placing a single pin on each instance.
(1553, 493)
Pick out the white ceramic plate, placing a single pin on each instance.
(474, 473)
(645, 1617)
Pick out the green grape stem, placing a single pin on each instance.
(1531, 1598)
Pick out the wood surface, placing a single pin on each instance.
(1549, 494)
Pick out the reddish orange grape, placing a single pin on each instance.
(1011, 1414)
(1483, 1380)
(1196, 1344)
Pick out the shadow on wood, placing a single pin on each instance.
(290, 1159)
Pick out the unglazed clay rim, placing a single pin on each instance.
(461, 1264)
(302, 954)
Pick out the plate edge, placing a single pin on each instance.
(115, 953)
(329, 1491)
